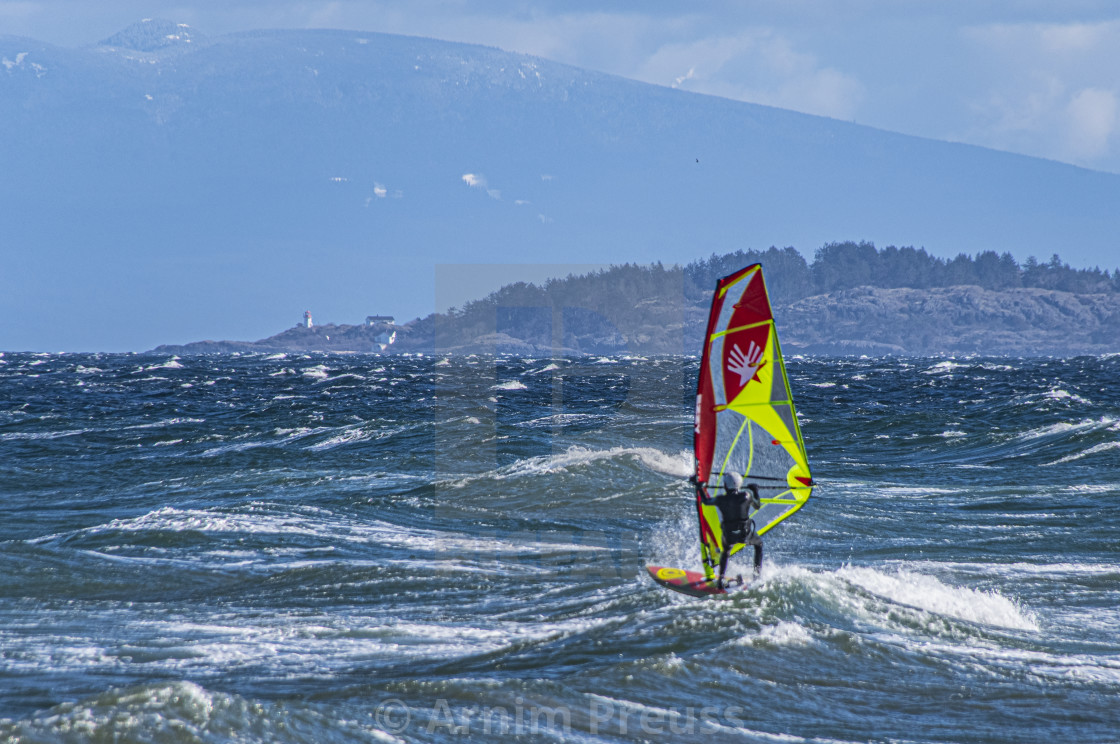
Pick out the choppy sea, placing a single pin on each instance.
(349, 548)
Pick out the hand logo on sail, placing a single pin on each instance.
(745, 365)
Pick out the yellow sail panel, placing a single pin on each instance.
(711, 537)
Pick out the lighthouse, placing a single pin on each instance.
(306, 318)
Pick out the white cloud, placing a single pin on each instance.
(1051, 90)
(477, 181)
(687, 76)
(1073, 38)
(19, 11)
(757, 65)
(1091, 122)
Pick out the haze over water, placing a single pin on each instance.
(364, 548)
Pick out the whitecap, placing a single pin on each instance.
(783, 634)
(167, 422)
(1016, 571)
(560, 419)
(1059, 394)
(921, 492)
(1063, 427)
(677, 465)
(945, 367)
(13, 435)
(172, 363)
(510, 385)
(348, 435)
(1095, 449)
(929, 594)
(343, 377)
(331, 529)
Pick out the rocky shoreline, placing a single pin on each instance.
(963, 319)
(867, 321)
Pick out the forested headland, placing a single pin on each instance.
(838, 266)
(852, 298)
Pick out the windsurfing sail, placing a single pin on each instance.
(745, 420)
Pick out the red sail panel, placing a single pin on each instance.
(752, 307)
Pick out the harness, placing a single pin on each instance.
(734, 513)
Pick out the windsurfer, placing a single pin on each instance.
(734, 506)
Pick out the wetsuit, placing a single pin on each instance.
(735, 522)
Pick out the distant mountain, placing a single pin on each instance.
(153, 35)
(168, 185)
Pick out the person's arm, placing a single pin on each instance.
(701, 491)
(755, 499)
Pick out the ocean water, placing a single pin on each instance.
(325, 548)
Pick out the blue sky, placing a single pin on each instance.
(1032, 77)
(1036, 78)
